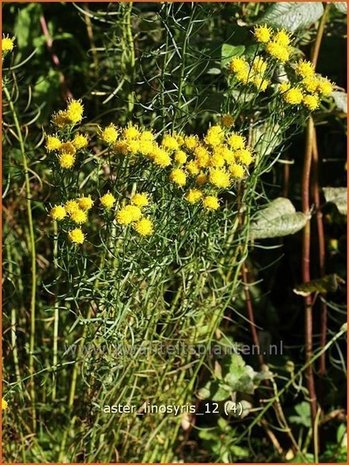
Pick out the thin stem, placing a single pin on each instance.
(321, 247)
(306, 269)
(56, 315)
(32, 252)
(250, 313)
(13, 321)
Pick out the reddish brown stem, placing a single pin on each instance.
(321, 247)
(306, 269)
(250, 313)
(55, 60)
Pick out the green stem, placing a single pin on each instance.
(56, 316)
(13, 321)
(32, 251)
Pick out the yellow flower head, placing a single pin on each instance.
(58, 213)
(161, 157)
(131, 132)
(85, 203)
(311, 102)
(201, 179)
(7, 44)
(237, 171)
(60, 119)
(121, 147)
(146, 147)
(66, 160)
(80, 141)
(140, 200)
(239, 65)
(193, 195)
(192, 167)
(52, 143)
(227, 120)
(217, 159)
(260, 83)
(4, 404)
(214, 136)
(75, 110)
(134, 146)
(179, 138)
(227, 154)
(310, 84)
(284, 87)
(109, 134)
(169, 142)
(178, 177)
(67, 147)
(190, 142)
(324, 87)
(211, 202)
(144, 227)
(243, 76)
(219, 178)
(293, 96)
(244, 156)
(278, 51)
(79, 216)
(71, 206)
(180, 157)
(282, 38)
(128, 214)
(236, 141)
(259, 65)
(202, 156)
(76, 236)
(146, 136)
(107, 200)
(305, 69)
(262, 34)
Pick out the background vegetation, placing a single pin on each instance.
(162, 66)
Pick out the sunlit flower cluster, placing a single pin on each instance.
(275, 43)
(253, 72)
(303, 88)
(209, 164)
(75, 213)
(72, 115)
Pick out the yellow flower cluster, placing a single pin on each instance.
(308, 89)
(77, 212)
(214, 161)
(66, 151)
(305, 89)
(133, 213)
(276, 43)
(72, 115)
(250, 73)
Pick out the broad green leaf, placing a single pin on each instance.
(222, 393)
(341, 7)
(292, 15)
(278, 219)
(340, 99)
(328, 283)
(229, 51)
(303, 415)
(338, 196)
(27, 25)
